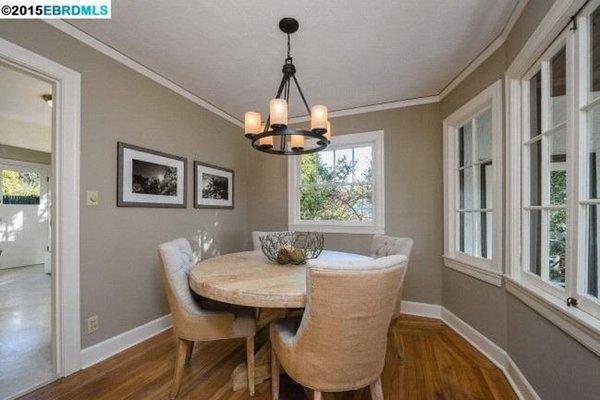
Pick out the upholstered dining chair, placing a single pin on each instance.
(256, 235)
(383, 246)
(341, 340)
(194, 323)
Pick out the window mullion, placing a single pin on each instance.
(572, 136)
(545, 170)
(475, 188)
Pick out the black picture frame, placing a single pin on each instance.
(198, 187)
(123, 202)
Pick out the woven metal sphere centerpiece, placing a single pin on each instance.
(292, 247)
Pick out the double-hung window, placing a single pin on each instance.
(472, 158)
(339, 189)
(544, 171)
(554, 158)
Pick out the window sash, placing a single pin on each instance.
(476, 233)
(374, 140)
(586, 104)
(542, 139)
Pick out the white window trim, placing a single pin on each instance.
(489, 271)
(581, 326)
(378, 225)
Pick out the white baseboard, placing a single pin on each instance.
(116, 344)
(491, 350)
(421, 309)
(494, 353)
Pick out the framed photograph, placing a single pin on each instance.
(213, 186)
(148, 178)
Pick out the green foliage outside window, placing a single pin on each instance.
(339, 192)
(558, 226)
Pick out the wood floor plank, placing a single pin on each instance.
(436, 364)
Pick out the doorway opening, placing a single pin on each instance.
(27, 356)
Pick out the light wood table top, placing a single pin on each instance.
(250, 279)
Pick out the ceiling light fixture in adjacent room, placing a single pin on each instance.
(48, 99)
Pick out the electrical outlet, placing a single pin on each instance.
(93, 324)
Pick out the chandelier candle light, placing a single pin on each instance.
(291, 141)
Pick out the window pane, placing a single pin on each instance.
(593, 251)
(595, 56)
(466, 232)
(363, 168)
(316, 168)
(344, 165)
(558, 87)
(466, 188)
(557, 238)
(558, 168)
(486, 182)
(484, 136)
(535, 105)
(465, 146)
(485, 235)
(535, 173)
(339, 203)
(20, 187)
(535, 241)
(594, 152)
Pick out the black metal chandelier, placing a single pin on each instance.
(289, 141)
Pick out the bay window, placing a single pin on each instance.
(553, 198)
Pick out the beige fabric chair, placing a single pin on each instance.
(341, 341)
(256, 235)
(193, 323)
(383, 246)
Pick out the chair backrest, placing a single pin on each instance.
(177, 260)
(256, 235)
(383, 246)
(342, 338)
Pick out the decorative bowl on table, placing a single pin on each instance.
(292, 247)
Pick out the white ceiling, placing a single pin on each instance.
(21, 98)
(348, 53)
(25, 118)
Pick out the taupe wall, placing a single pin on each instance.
(120, 279)
(21, 154)
(413, 183)
(555, 364)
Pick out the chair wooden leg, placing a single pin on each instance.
(317, 395)
(182, 350)
(190, 350)
(250, 363)
(376, 390)
(274, 375)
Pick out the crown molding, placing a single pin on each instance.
(373, 107)
(488, 51)
(136, 66)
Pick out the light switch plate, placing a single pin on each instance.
(92, 198)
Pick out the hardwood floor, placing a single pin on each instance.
(438, 364)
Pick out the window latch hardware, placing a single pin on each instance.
(571, 302)
(573, 23)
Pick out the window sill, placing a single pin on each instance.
(486, 275)
(358, 229)
(578, 324)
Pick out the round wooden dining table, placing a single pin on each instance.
(250, 279)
